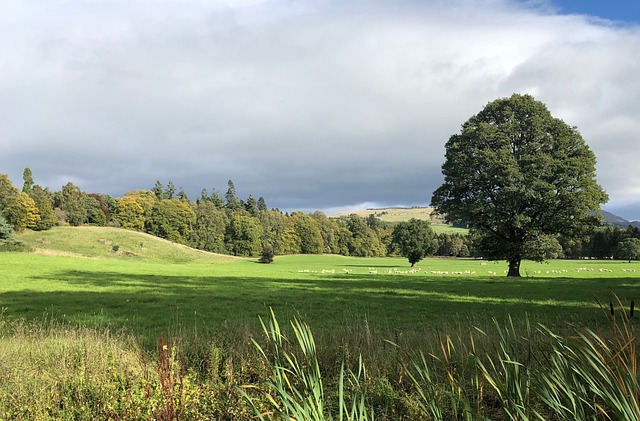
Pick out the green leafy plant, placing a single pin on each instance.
(296, 390)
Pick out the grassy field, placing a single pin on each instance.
(152, 330)
(151, 286)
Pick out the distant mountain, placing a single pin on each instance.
(619, 221)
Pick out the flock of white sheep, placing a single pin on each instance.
(375, 271)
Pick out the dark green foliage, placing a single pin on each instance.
(453, 245)
(6, 229)
(27, 177)
(182, 195)
(309, 233)
(329, 232)
(72, 203)
(170, 190)
(95, 215)
(44, 203)
(251, 205)
(266, 255)
(232, 203)
(518, 176)
(158, 190)
(628, 249)
(7, 241)
(243, 235)
(262, 205)
(363, 241)
(273, 225)
(415, 239)
(209, 228)
(216, 199)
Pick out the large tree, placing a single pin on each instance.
(519, 177)
(628, 249)
(415, 239)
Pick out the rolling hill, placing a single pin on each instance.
(404, 214)
(109, 242)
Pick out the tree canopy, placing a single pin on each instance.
(519, 177)
(415, 239)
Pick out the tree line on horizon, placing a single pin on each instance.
(230, 225)
(216, 223)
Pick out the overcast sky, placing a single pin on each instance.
(331, 105)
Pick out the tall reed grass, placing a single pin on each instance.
(507, 370)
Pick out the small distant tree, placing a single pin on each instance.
(6, 230)
(27, 177)
(20, 211)
(182, 195)
(158, 190)
(251, 205)
(262, 205)
(42, 199)
(414, 239)
(95, 215)
(231, 201)
(216, 199)
(628, 249)
(266, 256)
(170, 191)
(73, 204)
(7, 241)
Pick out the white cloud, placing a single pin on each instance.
(309, 104)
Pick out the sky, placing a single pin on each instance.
(333, 105)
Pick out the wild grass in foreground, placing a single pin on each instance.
(501, 371)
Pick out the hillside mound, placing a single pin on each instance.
(88, 241)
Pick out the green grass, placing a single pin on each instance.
(165, 287)
(159, 331)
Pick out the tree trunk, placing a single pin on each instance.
(514, 268)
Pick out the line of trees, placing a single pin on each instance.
(227, 224)
(221, 224)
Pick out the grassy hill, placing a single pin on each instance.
(109, 242)
(393, 215)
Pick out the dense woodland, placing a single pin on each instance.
(230, 225)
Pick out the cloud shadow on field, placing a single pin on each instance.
(149, 304)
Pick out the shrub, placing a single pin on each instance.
(266, 256)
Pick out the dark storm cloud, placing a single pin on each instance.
(313, 105)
